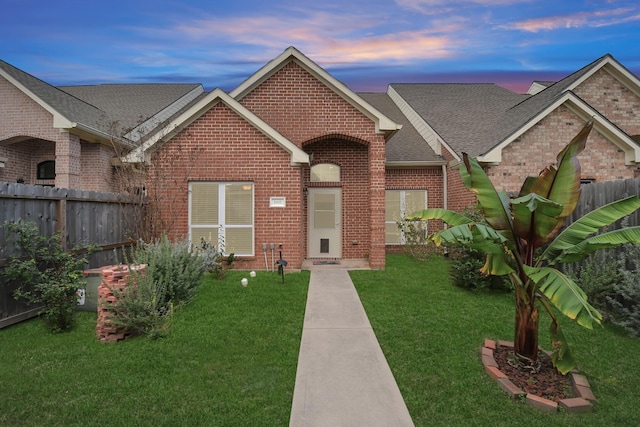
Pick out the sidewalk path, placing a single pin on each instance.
(343, 378)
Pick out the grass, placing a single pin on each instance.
(232, 353)
(230, 359)
(431, 334)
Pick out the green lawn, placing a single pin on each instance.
(431, 334)
(230, 361)
(231, 357)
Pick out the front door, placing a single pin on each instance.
(325, 223)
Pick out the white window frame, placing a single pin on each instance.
(403, 193)
(221, 225)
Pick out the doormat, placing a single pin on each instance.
(326, 262)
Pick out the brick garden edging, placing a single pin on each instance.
(581, 386)
(114, 278)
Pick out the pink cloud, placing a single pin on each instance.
(595, 19)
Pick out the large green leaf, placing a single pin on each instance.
(611, 239)
(494, 205)
(590, 223)
(449, 217)
(562, 183)
(497, 264)
(564, 294)
(535, 218)
(561, 356)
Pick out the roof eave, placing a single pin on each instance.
(298, 156)
(401, 164)
(584, 111)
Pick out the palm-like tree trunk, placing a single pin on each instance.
(526, 333)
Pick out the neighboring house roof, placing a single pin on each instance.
(481, 119)
(383, 123)
(68, 111)
(197, 109)
(462, 115)
(517, 119)
(406, 147)
(133, 106)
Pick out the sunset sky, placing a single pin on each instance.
(366, 44)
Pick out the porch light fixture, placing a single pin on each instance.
(3, 160)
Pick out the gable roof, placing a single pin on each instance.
(481, 119)
(406, 147)
(522, 116)
(197, 109)
(463, 115)
(382, 122)
(135, 106)
(68, 111)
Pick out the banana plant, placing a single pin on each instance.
(524, 238)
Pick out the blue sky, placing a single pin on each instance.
(365, 44)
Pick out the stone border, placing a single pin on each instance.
(581, 386)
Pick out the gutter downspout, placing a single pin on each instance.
(445, 185)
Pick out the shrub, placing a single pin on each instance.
(47, 274)
(466, 264)
(142, 306)
(173, 267)
(171, 277)
(416, 245)
(625, 298)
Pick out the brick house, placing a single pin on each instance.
(294, 157)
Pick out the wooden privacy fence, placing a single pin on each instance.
(599, 194)
(83, 218)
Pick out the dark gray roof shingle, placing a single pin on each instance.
(130, 104)
(406, 145)
(463, 114)
(70, 107)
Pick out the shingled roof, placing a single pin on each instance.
(406, 146)
(131, 104)
(464, 115)
(69, 107)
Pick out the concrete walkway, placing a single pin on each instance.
(343, 378)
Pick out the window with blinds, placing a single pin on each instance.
(399, 204)
(221, 213)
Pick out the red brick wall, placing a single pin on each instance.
(458, 196)
(221, 146)
(352, 157)
(304, 110)
(27, 137)
(614, 100)
(539, 146)
(428, 179)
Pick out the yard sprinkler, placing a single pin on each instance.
(281, 264)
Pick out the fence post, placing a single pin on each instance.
(61, 226)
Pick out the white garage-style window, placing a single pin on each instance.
(221, 213)
(399, 204)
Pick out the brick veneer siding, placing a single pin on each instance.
(458, 196)
(428, 179)
(612, 99)
(27, 137)
(304, 110)
(539, 146)
(353, 159)
(221, 146)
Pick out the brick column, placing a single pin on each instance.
(68, 161)
(115, 279)
(377, 203)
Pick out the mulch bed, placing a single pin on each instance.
(545, 382)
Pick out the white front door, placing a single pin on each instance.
(325, 223)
